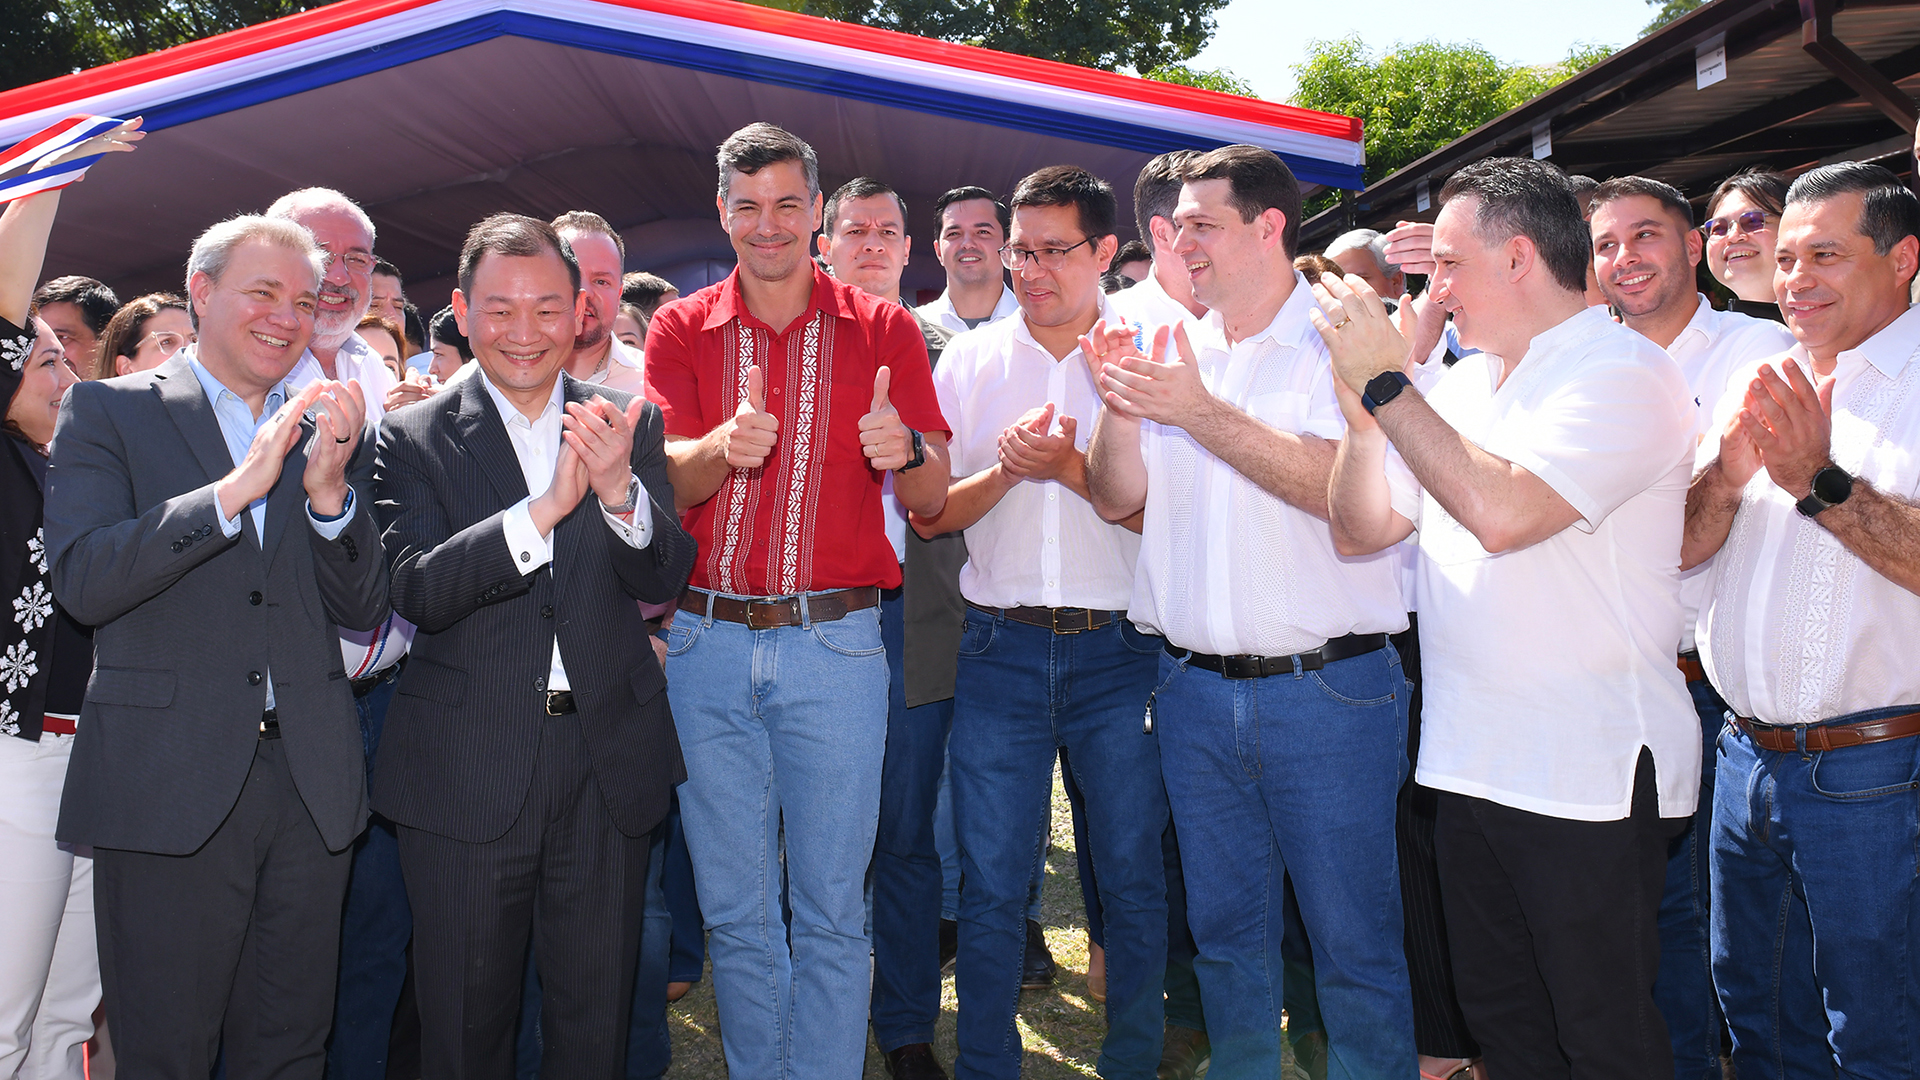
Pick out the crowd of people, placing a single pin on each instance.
(1469, 650)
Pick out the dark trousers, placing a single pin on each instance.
(239, 938)
(1555, 937)
(374, 930)
(1684, 991)
(905, 874)
(562, 877)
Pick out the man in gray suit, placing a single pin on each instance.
(529, 753)
(217, 771)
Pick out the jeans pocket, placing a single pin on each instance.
(1857, 773)
(1368, 680)
(1144, 644)
(858, 634)
(685, 629)
(977, 637)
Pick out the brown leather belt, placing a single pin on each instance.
(782, 611)
(1831, 736)
(1259, 667)
(1060, 620)
(1691, 667)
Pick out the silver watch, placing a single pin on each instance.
(633, 499)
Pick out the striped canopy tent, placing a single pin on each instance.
(435, 113)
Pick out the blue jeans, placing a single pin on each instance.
(1816, 904)
(1024, 692)
(375, 927)
(1293, 776)
(906, 866)
(949, 849)
(1684, 990)
(784, 732)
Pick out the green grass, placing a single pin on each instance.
(1060, 1028)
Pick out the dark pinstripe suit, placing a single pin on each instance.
(499, 803)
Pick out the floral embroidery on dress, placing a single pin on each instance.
(37, 550)
(17, 666)
(15, 350)
(33, 607)
(9, 720)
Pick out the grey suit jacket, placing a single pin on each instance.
(187, 622)
(463, 732)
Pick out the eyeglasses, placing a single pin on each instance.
(166, 341)
(358, 262)
(1748, 220)
(1049, 258)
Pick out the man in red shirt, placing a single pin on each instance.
(788, 396)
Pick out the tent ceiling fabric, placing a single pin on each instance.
(456, 112)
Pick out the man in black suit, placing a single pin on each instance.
(529, 752)
(217, 770)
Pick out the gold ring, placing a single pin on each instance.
(1342, 322)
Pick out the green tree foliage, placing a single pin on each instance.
(1665, 11)
(1220, 79)
(40, 39)
(1140, 35)
(1420, 97)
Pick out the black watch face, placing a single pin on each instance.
(1832, 485)
(1382, 388)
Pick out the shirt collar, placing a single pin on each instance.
(511, 414)
(213, 387)
(1569, 331)
(1024, 335)
(1702, 323)
(1290, 325)
(1892, 348)
(626, 354)
(728, 304)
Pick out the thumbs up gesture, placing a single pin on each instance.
(886, 441)
(752, 435)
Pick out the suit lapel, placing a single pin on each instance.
(186, 402)
(483, 435)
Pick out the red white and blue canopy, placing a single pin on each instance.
(433, 113)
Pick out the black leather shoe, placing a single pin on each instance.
(949, 943)
(1038, 972)
(914, 1061)
(1184, 1051)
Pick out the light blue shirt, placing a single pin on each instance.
(238, 426)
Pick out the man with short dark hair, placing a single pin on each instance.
(78, 309)
(1545, 477)
(387, 290)
(1164, 297)
(647, 291)
(598, 356)
(1645, 257)
(1133, 262)
(215, 539)
(1808, 496)
(1048, 660)
(1281, 708)
(973, 227)
(530, 752)
(788, 398)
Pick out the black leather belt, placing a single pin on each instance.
(1060, 620)
(1259, 667)
(365, 684)
(270, 724)
(560, 702)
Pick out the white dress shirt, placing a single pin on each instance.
(536, 445)
(1713, 344)
(941, 310)
(1146, 304)
(1041, 545)
(1546, 668)
(1797, 628)
(362, 652)
(1227, 568)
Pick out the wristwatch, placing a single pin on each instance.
(1383, 388)
(633, 499)
(919, 457)
(1831, 487)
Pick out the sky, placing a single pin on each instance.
(1261, 40)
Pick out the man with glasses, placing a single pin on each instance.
(378, 922)
(1047, 659)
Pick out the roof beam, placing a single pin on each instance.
(1816, 37)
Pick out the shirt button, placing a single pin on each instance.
(546, 611)
(1049, 539)
(255, 598)
(253, 678)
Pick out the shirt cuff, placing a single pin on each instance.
(635, 529)
(229, 527)
(330, 528)
(530, 550)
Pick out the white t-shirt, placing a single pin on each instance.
(1546, 669)
(1796, 628)
(1225, 567)
(1041, 544)
(1713, 344)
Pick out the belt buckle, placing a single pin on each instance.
(1086, 617)
(753, 605)
(551, 694)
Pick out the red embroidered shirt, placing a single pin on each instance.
(810, 519)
